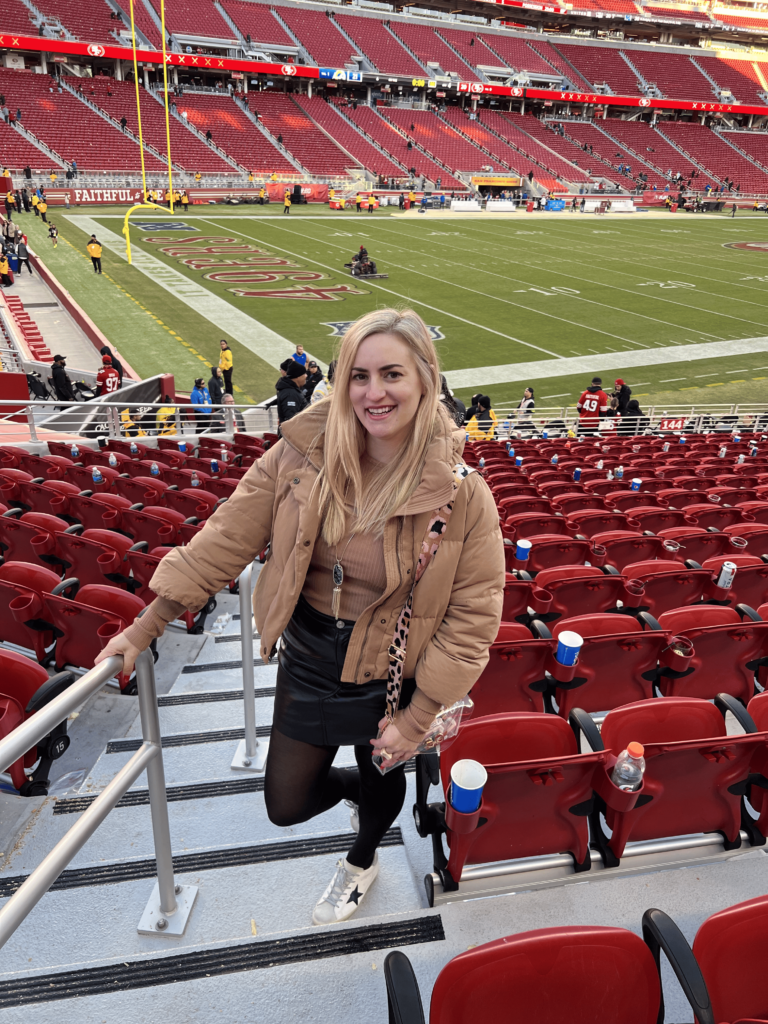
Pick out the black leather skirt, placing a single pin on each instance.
(312, 704)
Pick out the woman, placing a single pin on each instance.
(525, 408)
(325, 386)
(482, 426)
(225, 365)
(454, 406)
(345, 499)
(216, 385)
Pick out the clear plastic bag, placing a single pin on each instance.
(442, 732)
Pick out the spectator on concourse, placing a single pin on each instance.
(592, 405)
(325, 387)
(633, 421)
(215, 385)
(622, 392)
(482, 426)
(525, 407)
(474, 407)
(200, 400)
(107, 379)
(62, 385)
(314, 376)
(290, 397)
(105, 350)
(225, 365)
(454, 406)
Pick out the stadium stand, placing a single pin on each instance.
(387, 136)
(750, 21)
(550, 54)
(529, 135)
(481, 136)
(652, 10)
(68, 126)
(470, 47)
(610, 151)
(739, 76)
(379, 45)
(301, 136)
(234, 132)
(755, 145)
(119, 99)
(517, 54)
(331, 119)
(16, 17)
(571, 150)
(615, 6)
(319, 35)
(85, 19)
(675, 75)
(602, 66)
(144, 23)
(456, 152)
(715, 155)
(429, 48)
(186, 18)
(650, 145)
(18, 152)
(257, 21)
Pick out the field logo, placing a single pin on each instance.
(340, 327)
(751, 246)
(159, 225)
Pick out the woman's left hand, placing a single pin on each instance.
(392, 745)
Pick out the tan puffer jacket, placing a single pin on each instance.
(457, 603)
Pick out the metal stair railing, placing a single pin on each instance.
(250, 755)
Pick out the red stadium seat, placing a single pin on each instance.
(155, 525)
(617, 663)
(31, 537)
(750, 584)
(514, 678)
(668, 584)
(23, 587)
(603, 974)
(593, 521)
(692, 777)
(577, 502)
(582, 590)
(97, 511)
(523, 504)
(755, 534)
(143, 565)
(758, 510)
(12, 483)
(679, 497)
(696, 543)
(51, 467)
(654, 519)
(707, 515)
(727, 644)
(95, 556)
(622, 547)
(144, 490)
(49, 497)
(548, 550)
(82, 477)
(24, 689)
(519, 596)
(529, 524)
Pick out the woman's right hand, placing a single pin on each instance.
(120, 645)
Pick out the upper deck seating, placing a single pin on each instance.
(674, 74)
(16, 17)
(301, 136)
(326, 115)
(234, 132)
(469, 46)
(739, 76)
(602, 65)
(185, 17)
(319, 35)
(379, 45)
(424, 41)
(556, 59)
(515, 53)
(86, 19)
(257, 21)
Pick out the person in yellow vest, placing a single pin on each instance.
(176, 197)
(412, 197)
(331, 194)
(225, 365)
(287, 202)
(53, 176)
(198, 177)
(273, 176)
(42, 207)
(35, 203)
(5, 272)
(10, 204)
(147, 195)
(358, 201)
(94, 251)
(184, 201)
(168, 196)
(483, 424)
(250, 176)
(262, 195)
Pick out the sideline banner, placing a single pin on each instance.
(313, 193)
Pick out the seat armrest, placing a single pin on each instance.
(12, 513)
(55, 685)
(661, 933)
(691, 563)
(75, 529)
(610, 570)
(140, 545)
(746, 612)
(583, 725)
(648, 621)
(539, 630)
(403, 996)
(137, 507)
(725, 702)
(71, 583)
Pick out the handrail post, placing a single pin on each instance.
(169, 905)
(250, 756)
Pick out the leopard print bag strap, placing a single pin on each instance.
(397, 649)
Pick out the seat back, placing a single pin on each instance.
(550, 550)
(617, 663)
(656, 519)
(668, 584)
(577, 502)
(581, 975)
(191, 502)
(622, 547)
(529, 524)
(595, 521)
(95, 556)
(514, 678)
(20, 679)
(22, 606)
(729, 949)
(93, 512)
(692, 768)
(156, 525)
(530, 803)
(580, 590)
(709, 514)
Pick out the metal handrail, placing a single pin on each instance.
(250, 755)
(170, 905)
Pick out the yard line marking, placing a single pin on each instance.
(265, 343)
(486, 375)
(737, 371)
(700, 375)
(565, 394)
(669, 380)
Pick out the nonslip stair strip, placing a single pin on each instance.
(193, 791)
(172, 700)
(209, 963)
(187, 739)
(217, 666)
(204, 860)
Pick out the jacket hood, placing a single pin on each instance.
(306, 434)
(284, 384)
(595, 387)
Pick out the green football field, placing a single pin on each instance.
(674, 304)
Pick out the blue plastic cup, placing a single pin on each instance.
(682, 440)
(577, 474)
(523, 550)
(467, 780)
(518, 460)
(568, 647)
(510, 451)
(635, 485)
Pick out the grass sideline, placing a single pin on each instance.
(528, 289)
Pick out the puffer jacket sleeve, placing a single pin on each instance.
(458, 652)
(228, 542)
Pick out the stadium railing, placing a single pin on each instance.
(170, 904)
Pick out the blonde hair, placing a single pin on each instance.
(340, 481)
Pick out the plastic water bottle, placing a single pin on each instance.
(630, 765)
(753, 450)
(214, 466)
(96, 474)
(134, 448)
(481, 463)
(619, 474)
(112, 460)
(609, 475)
(154, 470)
(740, 459)
(195, 481)
(554, 459)
(74, 451)
(599, 463)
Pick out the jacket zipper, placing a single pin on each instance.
(375, 610)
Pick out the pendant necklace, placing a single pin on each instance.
(338, 578)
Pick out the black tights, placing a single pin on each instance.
(301, 782)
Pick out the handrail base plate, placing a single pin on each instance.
(175, 924)
(242, 763)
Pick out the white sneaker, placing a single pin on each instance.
(354, 815)
(345, 892)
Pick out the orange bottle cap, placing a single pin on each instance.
(635, 749)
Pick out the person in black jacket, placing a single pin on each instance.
(216, 385)
(314, 376)
(474, 408)
(61, 382)
(623, 393)
(633, 422)
(290, 397)
(105, 350)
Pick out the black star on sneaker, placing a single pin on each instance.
(355, 896)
